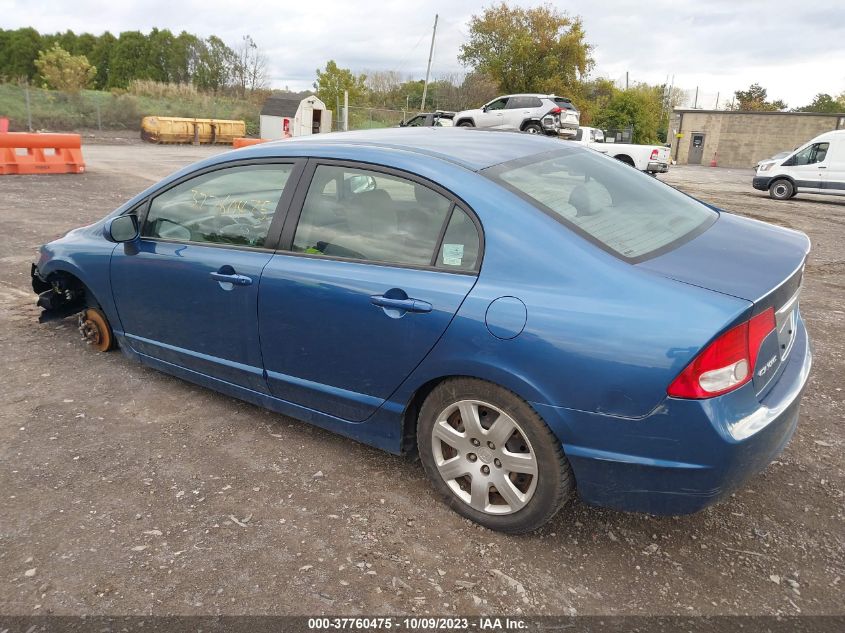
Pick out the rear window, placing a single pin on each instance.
(566, 104)
(622, 210)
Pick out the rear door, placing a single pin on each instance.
(187, 290)
(369, 277)
(519, 109)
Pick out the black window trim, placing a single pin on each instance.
(285, 242)
(142, 209)
(494, 174)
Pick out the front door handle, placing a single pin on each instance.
(408, 305)
(234, 278)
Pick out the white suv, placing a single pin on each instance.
(532, 113)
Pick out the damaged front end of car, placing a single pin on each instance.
(59, 297)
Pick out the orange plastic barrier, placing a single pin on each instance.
(23, 153)
(246, 142)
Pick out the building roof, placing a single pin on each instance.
(280, 106)
(467, 147)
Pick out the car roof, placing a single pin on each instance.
(467, 147)
(534, 94)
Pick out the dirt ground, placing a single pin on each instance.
(125, 491)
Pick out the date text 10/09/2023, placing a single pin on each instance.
(417, 624)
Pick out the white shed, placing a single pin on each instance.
(283, 117)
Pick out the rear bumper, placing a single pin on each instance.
(657, 168)
(687, 454)
(761, 182)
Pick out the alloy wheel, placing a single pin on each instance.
(484, 457)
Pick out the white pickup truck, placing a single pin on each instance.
(652, 159)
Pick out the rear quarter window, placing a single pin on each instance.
(632, 215)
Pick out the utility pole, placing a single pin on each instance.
(428, 69)
(717, 100)
(695, 103)
(345, 110)
(626, 80)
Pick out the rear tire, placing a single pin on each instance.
(781, 189)
(474, 438)
(465, 124)
(625, 159)
(533, 128)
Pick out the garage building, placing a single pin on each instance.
(741, 138)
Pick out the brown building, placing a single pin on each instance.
(741, 138)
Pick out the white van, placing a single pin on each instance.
(815, 167)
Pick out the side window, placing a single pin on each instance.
(230, 206)
(515, 103)
(461, 245)
(815, 153)
(498, 104)
(369, 215)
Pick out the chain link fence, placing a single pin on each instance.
(365, 118)
(32, 109)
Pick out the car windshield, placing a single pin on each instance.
(624, 211)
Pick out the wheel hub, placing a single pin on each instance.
(90, 331)
(484, 457)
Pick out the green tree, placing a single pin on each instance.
(638, 107)
(63, 71)
(215, 64)
(159, 49)
(332, 81)
(19, 52)
(528, 50)
(129, 59)
(592, 97)
(755, 98)
(100, 56)
(823, 102)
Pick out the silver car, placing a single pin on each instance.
(531, 113)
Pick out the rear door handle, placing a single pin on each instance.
(408, 305)
(237, 280)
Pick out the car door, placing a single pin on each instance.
(493, 114)
(833, 168)
(373, 271)
(519, 109)
(187, 290)
(804, 167)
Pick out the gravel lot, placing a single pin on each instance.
(125, 491)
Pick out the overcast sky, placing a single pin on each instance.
(794, 49)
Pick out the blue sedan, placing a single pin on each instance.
(532, 318)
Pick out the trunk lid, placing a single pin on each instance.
(752, 260)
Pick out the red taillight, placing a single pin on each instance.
(654, 153)
(555, 111)
(727, 363)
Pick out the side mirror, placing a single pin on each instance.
(123, 228)
(361, 183)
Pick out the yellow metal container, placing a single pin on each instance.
(169, 129)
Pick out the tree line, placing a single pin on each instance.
(508, 50)
(160, 55)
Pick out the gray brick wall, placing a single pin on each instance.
(740, 139)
